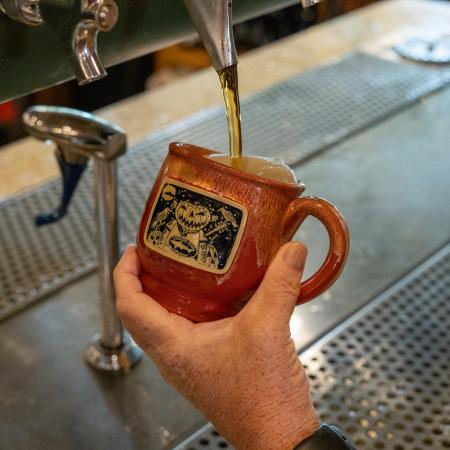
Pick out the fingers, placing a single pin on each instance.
(277, 295)
(126, 273)
(149, 323)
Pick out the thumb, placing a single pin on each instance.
(277, 294)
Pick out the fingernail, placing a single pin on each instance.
(295, 256)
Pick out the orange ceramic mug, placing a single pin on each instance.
(209, 233)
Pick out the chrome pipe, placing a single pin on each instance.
(107, 248)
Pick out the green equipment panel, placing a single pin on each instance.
(32, 58)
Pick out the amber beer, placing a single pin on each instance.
(229, 82)
(272, 168)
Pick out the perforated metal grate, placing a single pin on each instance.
(292, 120)
(206, 438)
(383, 376)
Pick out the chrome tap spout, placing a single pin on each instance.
(213, 21)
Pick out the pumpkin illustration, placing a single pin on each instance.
(192, 218)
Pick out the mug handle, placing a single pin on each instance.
(338, 233)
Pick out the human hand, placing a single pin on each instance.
(242, 372)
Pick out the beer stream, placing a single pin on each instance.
(266, 167)
(229, 81)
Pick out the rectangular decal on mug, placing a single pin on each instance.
(195, 227)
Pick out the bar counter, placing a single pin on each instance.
(389, 181)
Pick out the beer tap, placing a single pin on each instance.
(77, 24)
(78, 137)
(213, 22)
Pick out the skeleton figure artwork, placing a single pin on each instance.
(195, 227)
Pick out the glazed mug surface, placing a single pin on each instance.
(209, 233)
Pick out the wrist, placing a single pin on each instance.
(281, 430)
(290, 429)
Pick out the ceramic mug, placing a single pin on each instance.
(209, 233)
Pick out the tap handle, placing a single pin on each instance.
(75, 132)
(70, 174)
(78, 136)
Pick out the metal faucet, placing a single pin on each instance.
(78, 137)
(77, 24)
(96, 15)
(213, 21)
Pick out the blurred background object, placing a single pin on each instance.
(164, 66)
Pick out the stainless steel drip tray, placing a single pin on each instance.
(383, 375)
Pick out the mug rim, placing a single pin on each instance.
(182, 149)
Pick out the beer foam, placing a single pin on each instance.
(273, 168)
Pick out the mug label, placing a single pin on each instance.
(195, 227)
